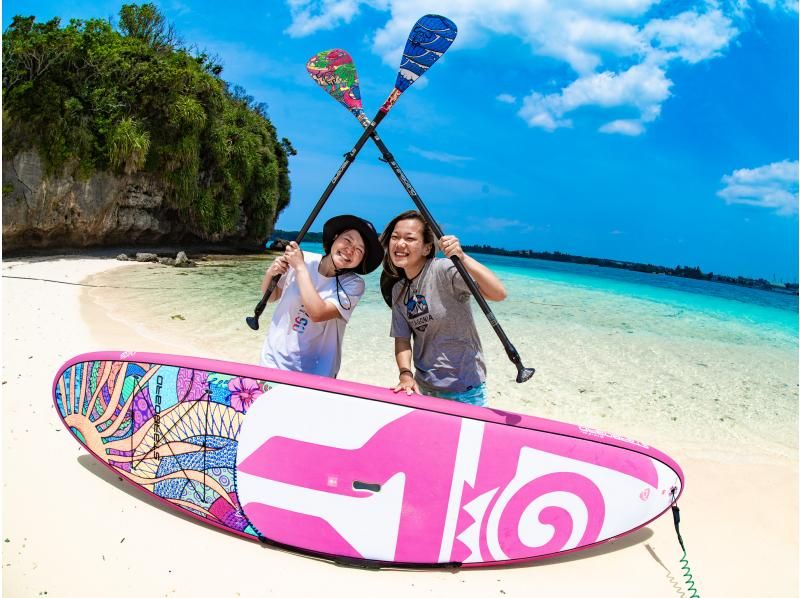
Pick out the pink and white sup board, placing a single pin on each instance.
(354, 472)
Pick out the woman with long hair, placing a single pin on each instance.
(432, 321)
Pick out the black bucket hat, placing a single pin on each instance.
(373, 250)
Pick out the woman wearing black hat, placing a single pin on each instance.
(317, 294)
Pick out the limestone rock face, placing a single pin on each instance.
(42, 211)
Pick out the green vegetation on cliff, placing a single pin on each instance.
(90, 97)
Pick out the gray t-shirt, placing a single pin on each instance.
(434, 310)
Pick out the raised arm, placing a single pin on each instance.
(278, 267)
(316, 307)
(488, 284)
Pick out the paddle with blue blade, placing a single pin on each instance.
(429, 39)
(419, 53)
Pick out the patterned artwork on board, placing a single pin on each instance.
(171, 430)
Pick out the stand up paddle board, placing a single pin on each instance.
(357, 473)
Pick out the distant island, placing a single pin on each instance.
(557, 256)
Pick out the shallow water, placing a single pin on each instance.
(663, 359)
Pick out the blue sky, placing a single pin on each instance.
(661, 132)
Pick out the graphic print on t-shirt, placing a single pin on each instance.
(300, 320)
(417, 312)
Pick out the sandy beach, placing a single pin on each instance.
(71, 528)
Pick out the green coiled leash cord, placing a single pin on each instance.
(687, 573)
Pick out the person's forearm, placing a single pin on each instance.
(490, 286)
(405, 376)
(268, 276)
(316, 308)
(402, 353)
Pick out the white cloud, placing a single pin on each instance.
(440, 156)
(310, 16)
(691, 36)
(787, 5)
(506, 98)
(773, 186)
(616, 48)
(631, 128)
(643, 87)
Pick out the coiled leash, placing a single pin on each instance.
(687, 573)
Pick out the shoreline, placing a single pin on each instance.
(85, 522)
(656, 386)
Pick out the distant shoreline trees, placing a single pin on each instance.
(680, 271)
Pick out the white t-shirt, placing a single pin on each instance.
(297, 344)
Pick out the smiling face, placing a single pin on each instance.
(347, 250)
(407, 247)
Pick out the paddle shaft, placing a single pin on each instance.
(348, 159)
(512, 353)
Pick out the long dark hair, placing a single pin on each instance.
(391, 273)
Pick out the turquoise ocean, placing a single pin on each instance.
(666, 360)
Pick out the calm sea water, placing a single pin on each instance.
(650, 355)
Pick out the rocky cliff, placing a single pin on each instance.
(42, 211)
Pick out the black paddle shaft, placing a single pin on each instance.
(252, 321)
(523, 374)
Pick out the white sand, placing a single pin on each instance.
(70, 528)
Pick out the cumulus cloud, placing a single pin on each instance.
(643, 87)
(773, 186)
(690, 36)
(619, 51)
(310, 16)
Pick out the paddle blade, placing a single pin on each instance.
(430, 38)
(334, 71)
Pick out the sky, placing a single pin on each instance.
(637, 130)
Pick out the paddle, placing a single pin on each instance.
(334, 70)
(419, 53)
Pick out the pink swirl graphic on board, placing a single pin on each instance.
(542, 500)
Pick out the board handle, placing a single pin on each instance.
(366, 486)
